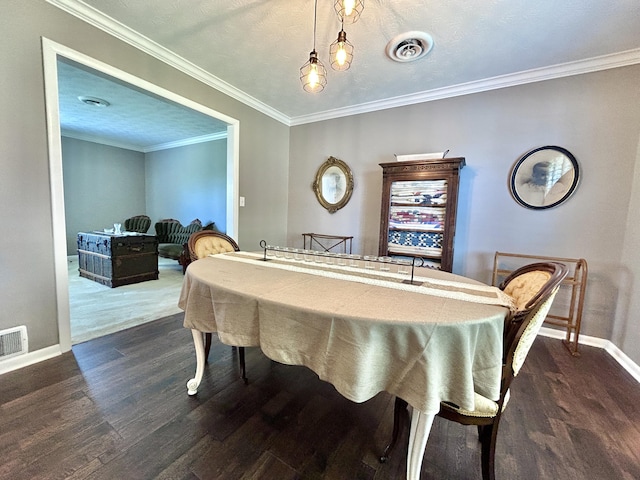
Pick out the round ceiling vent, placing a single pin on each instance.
(409, 46)
(94, 101)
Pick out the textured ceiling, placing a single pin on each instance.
(258, 46)
(134, 119)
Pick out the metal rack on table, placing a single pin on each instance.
(403, 267)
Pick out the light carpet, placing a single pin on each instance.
(98, 310)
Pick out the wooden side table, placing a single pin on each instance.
(327, 242)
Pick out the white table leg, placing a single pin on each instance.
(420, 428)
(198, 341)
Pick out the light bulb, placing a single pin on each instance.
(341, 54)
(313, 76)
(349, 5)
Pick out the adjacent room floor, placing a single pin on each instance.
(98, 310)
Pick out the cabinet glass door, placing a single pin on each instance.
(417, 218)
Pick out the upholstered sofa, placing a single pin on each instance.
(173, 237)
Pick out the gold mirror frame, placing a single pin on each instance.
(333, 185)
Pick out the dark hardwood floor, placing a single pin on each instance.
(117, 408)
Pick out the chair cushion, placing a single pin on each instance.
(484, 407)
(210, 245)
(525, 286)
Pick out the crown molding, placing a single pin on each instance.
(124, 33)
(143, 149)
(101, 140)
(605, 62)
(189, 141)
(107, 24)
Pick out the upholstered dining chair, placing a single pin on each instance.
(533, 288)
(139, 224)
(200, 245)
(527, 285)
(210, 242)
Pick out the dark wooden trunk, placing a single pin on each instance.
(115, 260)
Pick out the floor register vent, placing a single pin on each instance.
(13, 342)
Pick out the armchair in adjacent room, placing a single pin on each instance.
(173, 237)
(139, 224)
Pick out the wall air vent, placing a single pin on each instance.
(13, 342)
(409, 46)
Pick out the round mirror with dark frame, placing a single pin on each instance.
(333, 185)
(544, 177)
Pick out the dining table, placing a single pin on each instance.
(426, 338)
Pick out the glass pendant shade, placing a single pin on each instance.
(348, 10)
(341, 52)
(313, 75)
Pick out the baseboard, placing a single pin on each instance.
(583, 339)
(622, 358)
(608, 346)
(30, 358)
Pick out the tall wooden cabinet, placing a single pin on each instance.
(419, 203)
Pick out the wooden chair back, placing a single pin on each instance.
(209, 242)
(530, 285)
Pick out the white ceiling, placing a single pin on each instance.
(134, 119)
(253, 49)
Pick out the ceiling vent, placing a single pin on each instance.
(94, 101)
(409, 46)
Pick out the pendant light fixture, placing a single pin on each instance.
(313, 75)
(349, 10)
(341, 52)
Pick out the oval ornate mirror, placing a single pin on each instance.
(544, 177)
(333, 185)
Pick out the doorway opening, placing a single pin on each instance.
(52, 53)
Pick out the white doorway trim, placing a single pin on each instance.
(50, 53)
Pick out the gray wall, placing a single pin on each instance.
(102, 185)
(595, 116)
(188, 182)
(27, 288)
(626, 329)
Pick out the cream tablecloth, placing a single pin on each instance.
(363, 338)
